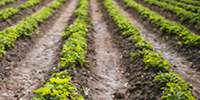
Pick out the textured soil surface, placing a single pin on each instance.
(111, 73)
(36, 66)
(167, 48)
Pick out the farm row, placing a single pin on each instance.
(94, 49)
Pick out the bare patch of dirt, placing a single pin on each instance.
(14, 20)
(107, 69)
(179, 62)
(40, 60)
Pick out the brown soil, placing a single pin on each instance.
(169, 15)
(39, 57)
(182, 66)
(111, 73)
(13, 4)
(13, 20)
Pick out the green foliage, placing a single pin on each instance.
(61, 1)
(7, 38)
(182, 5)
(176, 88)
(151, 59)
(126, 25)
(183, 14)
(58, 88)
(5, 13)
(27, 27)
(28, 4)
(82, 10)
(190, 2)
(3, 2)
(154, 59)
(165, 25)
(74, 50)
(55, 5)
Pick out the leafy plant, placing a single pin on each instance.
(165, 25)
(4, 2)
(5, 13)
(74, 50)
(27, 27)
(185, 6)
(176, 88)
(58, 88)
(28, 4)
(151, 58)
(182, 13)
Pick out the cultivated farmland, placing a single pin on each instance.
(99, 50)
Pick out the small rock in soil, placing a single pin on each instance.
(118, 95)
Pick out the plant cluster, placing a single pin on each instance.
(74, 50)
(151, 58)
(28, 4)
(182, 13)
(188, 7)
(3, 2)
(190, 2)
(27, 27)
(58, 88)
(5, 13)
(174, 85)
(165, 25)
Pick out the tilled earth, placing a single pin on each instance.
(111, 73)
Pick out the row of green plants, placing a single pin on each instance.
(4, 2)
(182, 13)
(174, 88)
(188, 7)
(28, 4)
(73, 52)
(27, 27)
(190, 2)
(58, 88)
(8, 12)
(166, 26)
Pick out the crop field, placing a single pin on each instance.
(99, 49)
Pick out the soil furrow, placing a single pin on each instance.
(103, 76)
(38, 62)
(111, 73)
(169, 15)
(181, 65)
(23, 44)
(14, 20)
(107, 57)
(140, 85)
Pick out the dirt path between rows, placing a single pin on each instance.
(182, 65)
(107, 57)
(38, 62)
